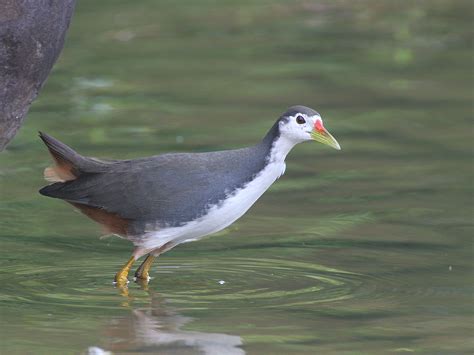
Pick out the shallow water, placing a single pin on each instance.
(366, 250)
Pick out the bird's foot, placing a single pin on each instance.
(121, 276)
(143, 283)
(142, 276)
(142, 272)
(121, 279)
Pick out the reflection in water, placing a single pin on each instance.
(159, 327)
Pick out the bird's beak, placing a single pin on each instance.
(321, 135)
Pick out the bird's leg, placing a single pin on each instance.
(144, 268)
(121, 276)
(142, 272)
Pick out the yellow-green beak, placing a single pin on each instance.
(321, 135)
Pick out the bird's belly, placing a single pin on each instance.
(220, 215)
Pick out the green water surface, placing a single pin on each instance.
(367, 250)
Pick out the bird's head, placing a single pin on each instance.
(300, 123)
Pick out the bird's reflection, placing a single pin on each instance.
(158, 328)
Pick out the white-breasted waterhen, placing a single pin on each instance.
(165, 200)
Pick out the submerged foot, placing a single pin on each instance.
(142, 272)
(143, 283)
(121, 279)
(121, 276)
(142, 276)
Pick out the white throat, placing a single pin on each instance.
(280, 149)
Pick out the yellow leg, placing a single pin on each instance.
(121, 276)
(142, 271)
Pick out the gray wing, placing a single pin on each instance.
(170, 189)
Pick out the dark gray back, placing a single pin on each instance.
(169, 189)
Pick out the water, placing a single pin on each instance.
(366, 250)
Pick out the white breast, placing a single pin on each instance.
(219, 216)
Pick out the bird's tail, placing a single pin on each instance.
(69, 164)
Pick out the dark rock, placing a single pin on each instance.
(31, 38)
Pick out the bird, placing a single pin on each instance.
(162, 201)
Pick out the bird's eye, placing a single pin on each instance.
(300, 119)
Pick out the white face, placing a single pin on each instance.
(298, 127)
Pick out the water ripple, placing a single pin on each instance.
(193, 284)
